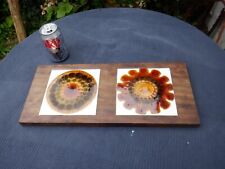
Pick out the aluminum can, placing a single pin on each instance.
(53, 41)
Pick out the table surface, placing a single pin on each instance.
(117, 36)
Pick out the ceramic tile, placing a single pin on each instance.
(126, 105)
(89, 109)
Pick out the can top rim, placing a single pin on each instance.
(48, 29)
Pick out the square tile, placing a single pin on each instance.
(126, 104)
(89, 109)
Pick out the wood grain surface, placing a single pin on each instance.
(106, 106)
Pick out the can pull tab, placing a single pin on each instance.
(48, 29)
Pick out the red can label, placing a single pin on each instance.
(52, 43)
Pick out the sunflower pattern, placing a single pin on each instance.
(145, 91)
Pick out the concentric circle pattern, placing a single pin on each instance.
(71, 91)
(143, 89)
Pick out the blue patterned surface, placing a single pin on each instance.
(117, 36)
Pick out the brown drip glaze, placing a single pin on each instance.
(163, 88)
(143, 72)
(72, 86)
(126, 78)
(133, 72)
(164, 104)
(155, 73)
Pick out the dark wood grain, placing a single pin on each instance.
(106, 107)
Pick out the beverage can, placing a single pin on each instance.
(54, 42)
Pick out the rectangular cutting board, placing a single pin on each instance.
(106, 102)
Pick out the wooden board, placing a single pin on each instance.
(106, 107)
